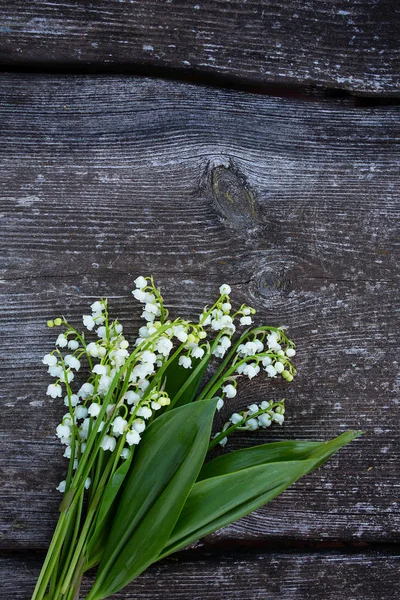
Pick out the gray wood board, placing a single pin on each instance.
(303, 576)
(294, 204)
(338, 44)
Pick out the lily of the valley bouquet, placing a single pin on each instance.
(142, 482)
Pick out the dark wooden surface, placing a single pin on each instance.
(107, 178)
(294, 201)
(242, 576)
(335, 43)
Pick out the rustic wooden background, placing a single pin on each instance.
(126, 127)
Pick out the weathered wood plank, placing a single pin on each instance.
(107, 178)
(335, 44)
(283, 575)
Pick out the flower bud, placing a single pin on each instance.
(286, 375)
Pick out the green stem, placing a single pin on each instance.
(69, 570)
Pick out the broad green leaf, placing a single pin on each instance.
(166, 465)
(267, 453)
(244, 481)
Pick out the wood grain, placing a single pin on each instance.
(106, 178)
(351, 46)
(305, 576)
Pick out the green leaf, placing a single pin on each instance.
(232, 486)
(167, 463)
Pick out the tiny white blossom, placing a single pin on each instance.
(148, 316)
(225, 289)
(272, 340)
(229, 391)
(246, 320)
(61, 341)
(144, 384)
(88, 322)
(97, 307)
(180, 333)
(152, 308)
(56, 370)
(266, 361)
(197, 352)
(144, 412)
(94, 409)
(223, 441)
(69, 376)
(246, 311)
(290, 352)
(253, 408)
(87, 483)
(140, 282)
(49, 360)
(67, 452)
(236, 418)
(265, 404)
(108, 443)
(86, 390)
(252, 424)
(92, 349)
(206, 321)
(271, 371)
(125, 454)
(100, 369)
(139, 425)
(119, 425)
(279, 367)
(185, 362)
(72, 362)
(119, 357)
(104, 385)
(102, 332)
(61, 486)
(220, 404)
(132, 437)
(226, 307)
(219, 351)
(278, 418)
(264, 420)
(164, 346)
(139, 295)
(225, 342)
(252, 370)
(132, 397)
(250, 348)
(63, 431)
(144, 332)
(259, 345)
(98, 318)
(155, 405)
(81, 412)
(73, 344)
(148, 357)
(74, 400)
(54, 390)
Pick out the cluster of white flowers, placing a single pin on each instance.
(270, 350)
(256, 416)
(125, 388)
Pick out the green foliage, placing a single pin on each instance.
(232, 486)
(166, 465)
